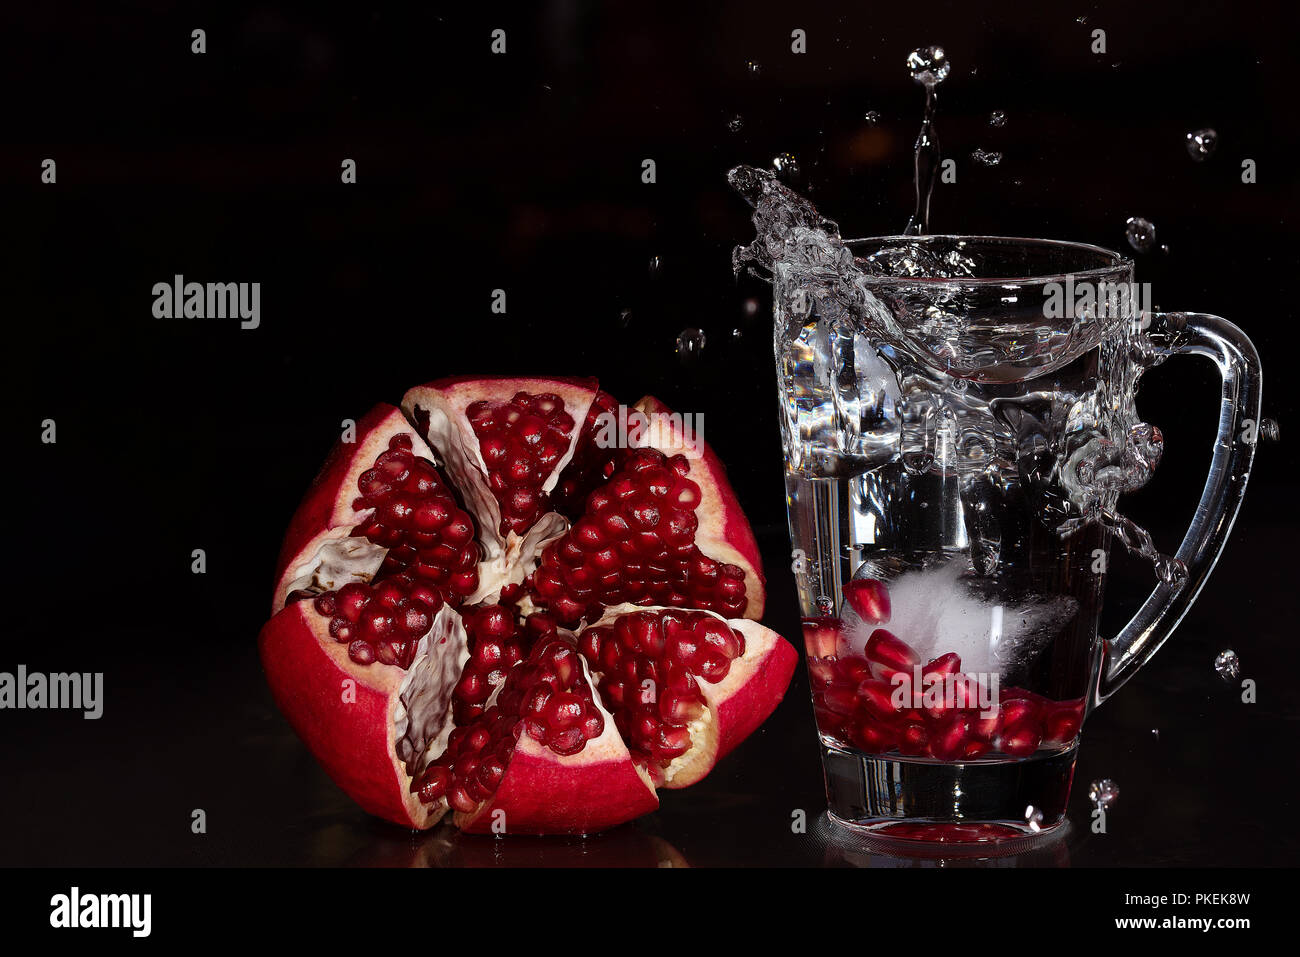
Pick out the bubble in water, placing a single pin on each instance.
(986, 157)
(690, 343)
(736, 123)
(1141, 234)
(872, 117)
(1228, 665)
(929, 65)
(1201, 143)
(1269, 430)
(753, 68)
(997, 119)
(1103, 793)
(656, 267)
(1034, 818)
(786, 165)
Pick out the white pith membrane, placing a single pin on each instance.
(338, 562)
(422, 719)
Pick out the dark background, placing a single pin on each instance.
(522, 172)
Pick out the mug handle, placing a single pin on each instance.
(1199, 334)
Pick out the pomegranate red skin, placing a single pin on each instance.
(352, 740)
(539, 795)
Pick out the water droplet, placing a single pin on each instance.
(929, 65)
(986, 157)
(1164, 249)
(997, 119)
(736, 123)
(754, 68)
(737, 333)
(1201, 143)
(872, 117)
(1269, 430)
(690, 343)
(625, 317)
(786, 165)
(1228, 665)
(750, 308)
(1103, 793)
(1141, 234)
(1155, 733)
(1171, 571)
(1034, 818)
(1081, 20)
(656, 267)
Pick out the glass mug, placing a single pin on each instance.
(955, 452)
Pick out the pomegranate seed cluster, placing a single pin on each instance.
(521, 442)
(636, 543)
(545, 697)
(647, 664)
(417, 519)
(383, 621)
(868, 701)
(496, 644)
(591, 464)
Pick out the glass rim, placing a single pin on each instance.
(1118, 261)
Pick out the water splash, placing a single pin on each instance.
(736, 123)
(986, 157)
(929, 66)
(997, 119)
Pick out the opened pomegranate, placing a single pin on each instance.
(486, 607)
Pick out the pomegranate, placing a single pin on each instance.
(868, 700)
(484, 608)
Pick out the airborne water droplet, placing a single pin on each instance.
(736, 123)
(753, 68)
(786, 165)
(1141, 234)
(1269, 430)
(625, 317)
(1201, 143)
(1103, 793)
(750, 308)
(997, 119)
(986, 157)
(1228, 665)
(656, 267)
(929, 65)
(872, 117)
(690, 343)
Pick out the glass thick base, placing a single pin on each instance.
(927, 802)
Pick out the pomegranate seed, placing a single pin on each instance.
(869, 598)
